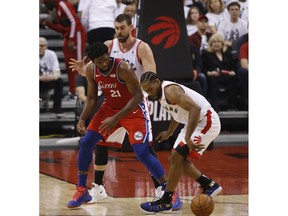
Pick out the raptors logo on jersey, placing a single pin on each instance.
(197, 139)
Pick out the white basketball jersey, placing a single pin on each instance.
(130, 56)
(177, 112)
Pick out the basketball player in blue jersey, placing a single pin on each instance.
(201, 127)
(140, 56)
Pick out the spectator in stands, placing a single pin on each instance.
(192, 19)
(98, 18)
(243, 9)
(120, 7)
(243, 74)
(219, 67)
(198, 75)
(216, 14)
(201, 4)
(234, 27)
(245, 15)
(199, 41)
(131, 11)
(50, 75)
(200, 38)
(236, 47)
(68, 23)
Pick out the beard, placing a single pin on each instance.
(122, 39)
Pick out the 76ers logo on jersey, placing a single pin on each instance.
(197, 139)
(138, 135)
(167, 28)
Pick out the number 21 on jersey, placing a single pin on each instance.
(115, 93)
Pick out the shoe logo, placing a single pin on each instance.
(211, 184)
(168, 29)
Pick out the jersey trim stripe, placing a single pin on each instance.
(209, 122)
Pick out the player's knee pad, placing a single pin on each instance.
(183, 150)
(101, 155)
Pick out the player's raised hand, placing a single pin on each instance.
(79, 66)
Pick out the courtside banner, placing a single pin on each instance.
(162, 25)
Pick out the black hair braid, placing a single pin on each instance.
(150, 76)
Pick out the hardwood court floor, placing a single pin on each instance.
(128, 183)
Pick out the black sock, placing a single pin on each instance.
(204, 181)
(98, 177)
(167, 197)
(156, 183)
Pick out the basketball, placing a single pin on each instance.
(202, 205)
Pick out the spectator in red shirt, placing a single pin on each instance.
(68, 23)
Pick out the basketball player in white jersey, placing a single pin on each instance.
(140, 56)
(201, 127)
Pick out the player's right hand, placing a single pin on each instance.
(162, 136)
(81, 127)
(79, 66)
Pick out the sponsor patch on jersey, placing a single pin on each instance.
(112, 75)
(138, 135)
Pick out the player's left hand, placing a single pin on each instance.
(162, 136)
(194, 146)
(79, 66)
